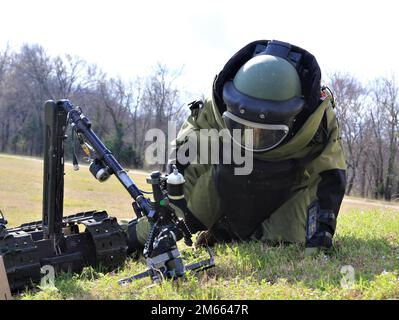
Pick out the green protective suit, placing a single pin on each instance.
(287, 223)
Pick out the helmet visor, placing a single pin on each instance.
(264, 136)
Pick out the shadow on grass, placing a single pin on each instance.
(262, 262)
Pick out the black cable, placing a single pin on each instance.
(74, 157)
(145, 192)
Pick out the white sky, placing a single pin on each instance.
(126, 38)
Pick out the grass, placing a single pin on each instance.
(367, 239)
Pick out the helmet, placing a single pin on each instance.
(269, 78)
(264, 98)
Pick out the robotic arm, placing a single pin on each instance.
(160, 250)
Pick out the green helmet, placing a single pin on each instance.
(269, 78)
(264, 96)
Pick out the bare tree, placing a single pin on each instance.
(385, 128)
(67, 75)
(161, 100)
(116, 98)
(350, 99)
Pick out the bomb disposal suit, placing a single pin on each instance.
(294, 191)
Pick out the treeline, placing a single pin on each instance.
(368, 116)
(121, 111)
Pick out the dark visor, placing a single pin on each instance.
(254, 136)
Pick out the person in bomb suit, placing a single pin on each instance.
(294, 192)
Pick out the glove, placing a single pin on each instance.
(205, 239)
(320, 229)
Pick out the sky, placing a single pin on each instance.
(128, 38)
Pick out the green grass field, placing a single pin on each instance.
(367, 239)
